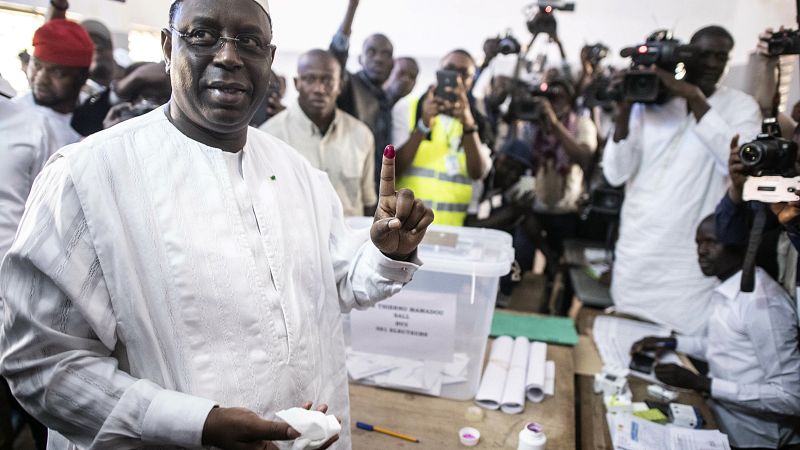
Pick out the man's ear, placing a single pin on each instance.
(166, 46)
(360, 60)
(297, 83)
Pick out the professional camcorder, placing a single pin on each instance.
(770, 163)
(595, 53)
(525, 104)
(540, 15)
(638, 86)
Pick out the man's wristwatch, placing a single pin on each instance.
(422, 128)
(470, 130)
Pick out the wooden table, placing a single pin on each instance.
(436, 421)
(593, 427)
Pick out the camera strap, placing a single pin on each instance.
(753, 243)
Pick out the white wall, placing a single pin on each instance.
(429, 28)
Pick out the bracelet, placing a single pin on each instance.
(60, 8)
(470, 130)
(421, 127)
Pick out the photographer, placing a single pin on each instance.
(751, 349)
(447, 150)
(672, 159)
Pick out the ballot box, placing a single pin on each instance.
(431, 337)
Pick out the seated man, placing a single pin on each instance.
(329, 138)
(752, 351)
(447, 149)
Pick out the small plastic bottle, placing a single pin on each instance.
(532, 437)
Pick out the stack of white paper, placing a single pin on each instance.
(514, 391)
(541, 373)
(426, 377)
(614, 338)
(490, 392)
(629, 432)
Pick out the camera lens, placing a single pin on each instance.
(750, 154)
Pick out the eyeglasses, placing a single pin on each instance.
(205, 42)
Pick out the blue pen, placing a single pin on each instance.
(368, 427)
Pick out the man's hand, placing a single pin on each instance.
(549, 113)
(788, 213)
(460, 108)
(242, 429)
(763, 43)
(274, 105)
(675, 375)
(654, 344)
(736, 172)
(400, 220)
(697, 101)
(431, 107)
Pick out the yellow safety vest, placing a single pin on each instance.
(448, 195)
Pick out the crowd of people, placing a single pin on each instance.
(104, 171)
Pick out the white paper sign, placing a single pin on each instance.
(412, 324)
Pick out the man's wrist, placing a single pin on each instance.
(424, 129)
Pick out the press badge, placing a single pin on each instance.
(453, 165)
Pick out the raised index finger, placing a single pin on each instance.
(387, 172)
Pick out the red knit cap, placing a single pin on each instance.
(63, 42)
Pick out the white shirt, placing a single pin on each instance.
(146, 285)
(25, 146)
(60, 124)
(754, 362)
(345, 152)
(675, 171)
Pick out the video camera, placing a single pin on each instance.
(660, 50)
(595, 53)
(525, 104)
(770, 163)
(540, 15)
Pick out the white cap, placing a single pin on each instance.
(469, 436)
(264, 5)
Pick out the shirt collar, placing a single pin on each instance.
(297, 114)
(730, 287)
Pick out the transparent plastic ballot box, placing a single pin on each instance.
(431, 337)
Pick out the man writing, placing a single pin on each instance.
(362, 93)
(59, 67)
(752, 351)
(673, 157)
(329, 138)
(179, 278)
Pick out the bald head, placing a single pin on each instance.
(376, 58)
(318, 85)
(317, 57)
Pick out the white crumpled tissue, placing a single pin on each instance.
(315, 427)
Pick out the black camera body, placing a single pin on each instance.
(525, 105)
(541, 15)
(784, 42)
(596, 53)
(509, 45)
(769, 154)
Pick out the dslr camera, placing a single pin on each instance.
(769, 161)
(784, 42)
(540, 15)
(595, 53)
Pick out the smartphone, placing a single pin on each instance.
(445, 79)
(642, 362)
